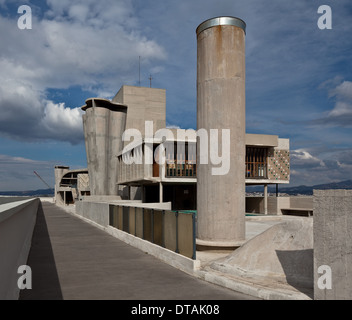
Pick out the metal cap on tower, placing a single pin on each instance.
(221, 21)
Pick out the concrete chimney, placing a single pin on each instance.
(103, 123)
(221, 105)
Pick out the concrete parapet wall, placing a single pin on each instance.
(301, 202)
(275, 204)
(6, 199)
(98, 212)
(17, 221)
(94, 198)
(333, 244)
(156, 206)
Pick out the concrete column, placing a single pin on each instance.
(161, 189)
(265, 199)
(221, 105)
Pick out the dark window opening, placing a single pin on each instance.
(256, 162)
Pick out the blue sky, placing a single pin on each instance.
(298, 77)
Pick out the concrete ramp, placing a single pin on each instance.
(284, 253)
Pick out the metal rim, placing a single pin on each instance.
(221, 21)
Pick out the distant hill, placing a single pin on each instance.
(306, 190)
(31, 193)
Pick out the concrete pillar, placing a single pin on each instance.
(60, 171)
(161, 189)
(221, 105)
(265, 199)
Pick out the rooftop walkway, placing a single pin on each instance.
(72, 260)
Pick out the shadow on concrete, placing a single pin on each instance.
(298, 267)
(45, 280)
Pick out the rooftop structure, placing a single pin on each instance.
(132, 156)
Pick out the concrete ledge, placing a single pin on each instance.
(218, 245)
(9, 209)
(17, 221)
(254, 288)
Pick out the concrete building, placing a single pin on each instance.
(123, 136)
(70, 185)
(144, 104)
(267, 162)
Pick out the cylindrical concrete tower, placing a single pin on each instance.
(221, 105)
(103, 123)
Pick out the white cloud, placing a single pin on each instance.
(341, 114)
(302, 158)
(27, 115)
(343, 94)
(91, 44)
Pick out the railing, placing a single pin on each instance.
(187, 169)
(256, 170)
(172, 230)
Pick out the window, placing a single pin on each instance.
(256, 162)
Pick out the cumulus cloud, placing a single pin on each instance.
(324, 167)
(91, 44)
(302, 158)
(27, 115)
(341, 114)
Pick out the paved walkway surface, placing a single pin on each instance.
(72, 260)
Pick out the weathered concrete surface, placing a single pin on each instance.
(71, 259)
(333, 243)
(283, 254)
(221, 105)
(17, 220)
(144, 104)
(103, 123)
